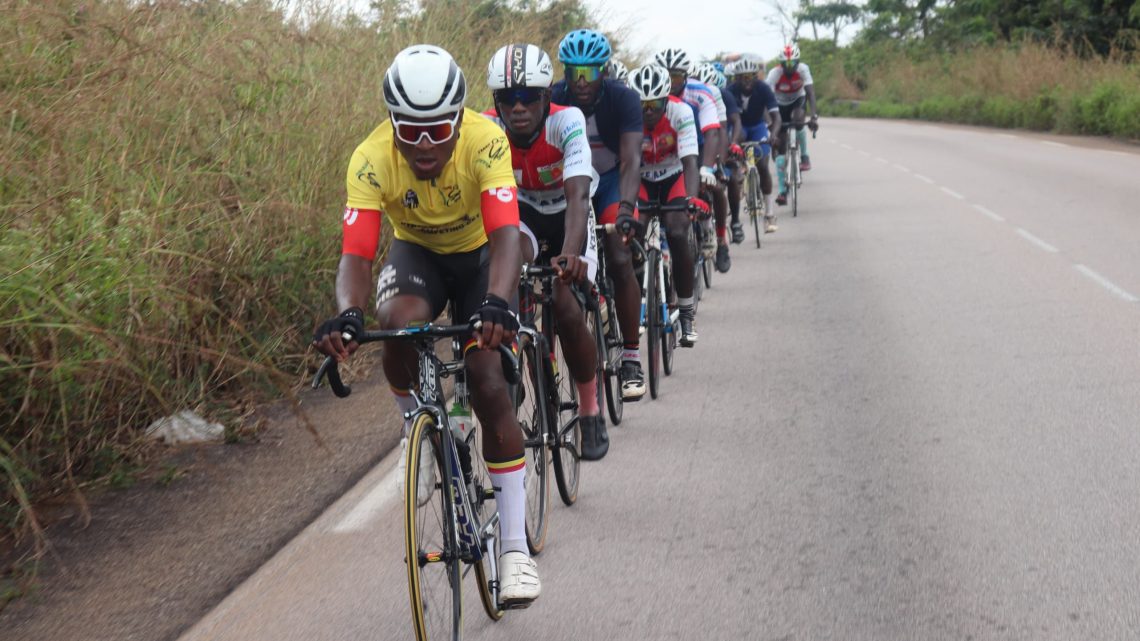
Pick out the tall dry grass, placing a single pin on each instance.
(1028, 85)
(170, 203)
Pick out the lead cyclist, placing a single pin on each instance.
(792, 82)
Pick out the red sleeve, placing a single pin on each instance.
(361, 232)
(712, 126)
(500, 208)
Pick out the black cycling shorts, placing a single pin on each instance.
(786, 110)
(460, 279)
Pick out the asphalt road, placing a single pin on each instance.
(913, 414)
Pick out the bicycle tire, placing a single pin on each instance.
(794, 181)
(668, 329)
(754, 200)
(566, 433)
(483, 501)
(653, 322)
(698, 263)
(533, 420)
(611, 338)
(431, 545)
(597, 332)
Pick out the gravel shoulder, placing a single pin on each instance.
(156, 558)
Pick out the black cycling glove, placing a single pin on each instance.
(350, 320)
(625, 221)
(496, 310)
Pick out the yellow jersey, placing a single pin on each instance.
(442, 214)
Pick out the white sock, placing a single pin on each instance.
(405, 403)
(509, 480)
(768, 204)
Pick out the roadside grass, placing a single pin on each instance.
(169, 211)
(1025, 85)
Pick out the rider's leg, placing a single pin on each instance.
(577, 343)
(801, 135)
(766, 188)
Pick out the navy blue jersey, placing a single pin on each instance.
(752, 107)
(617, 111)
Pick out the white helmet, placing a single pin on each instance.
(616, 70)
(650, 81)
(519, 66)
(745, 65)
(673, 59)
(705, 73)
(423, 82)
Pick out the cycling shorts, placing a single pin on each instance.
(786, 110)
(547, 233)
(608, 195)
(460, 279)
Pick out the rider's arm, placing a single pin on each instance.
(737, 128)
(809, 89)
(629, 146)
(500, 208)
(692, 176)
(361, 237)
(681, 117)
(577, 204)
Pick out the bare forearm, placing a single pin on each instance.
(692, 176)
(353, 282)
(506, 259)
(577, 200)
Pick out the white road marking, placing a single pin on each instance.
(832, 140)
(882, 160)
(902, 169)
(1053, 144)
(847, 146)
(863, 152)
(1106, 283)
(989, 213)
(924, 179)
(370, 506)
(1037, 241)
(953, 193)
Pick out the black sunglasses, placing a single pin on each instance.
(525, 95)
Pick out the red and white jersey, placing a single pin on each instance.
(673, 138)
(561, 152)
(704, 102)
(789, 88)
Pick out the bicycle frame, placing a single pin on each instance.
(655, 241)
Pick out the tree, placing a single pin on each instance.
(836, 16)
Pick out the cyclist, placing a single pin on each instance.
(669, 175)
(792, 83)
(616, 70)
(730, 124)
(551, 160)
(451, 200)
(758, 104)
(613, 126)
(703, 103)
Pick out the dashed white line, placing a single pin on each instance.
(924, 179)
(847, 146)
(1106, 283)
(370, 506)
(989, 213)
(1053, 144)
(953, 193)
(864, 152)
(902, 169)
(1037, 241)
(882, 160)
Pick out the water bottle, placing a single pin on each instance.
(459, 414)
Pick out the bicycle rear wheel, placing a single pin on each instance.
(653, 321)
(754, 200)
(668, 328)
(610, 355)
(794, 181)
(566, 435)
(431, 546)
(698, 263)
(532, 417)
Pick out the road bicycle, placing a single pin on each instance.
(546, 402)
(659, 315)
(753, 194)
(455, 529)
(794, 176)
(601, 310)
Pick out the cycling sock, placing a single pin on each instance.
(781, 162)
(721, 232)
(405, 402)
(509, 481)
(686, 307)
(768, 203)
(801, 136)
(631, 352)
(588, 398)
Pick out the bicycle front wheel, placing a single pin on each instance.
(653, 321)
(532, 417)
(794, 182)
(566, 439)
(668, 327)
(754, 200)
(431, 546)
(610, 356)
(482, 496)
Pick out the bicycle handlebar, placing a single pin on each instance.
(329, 370)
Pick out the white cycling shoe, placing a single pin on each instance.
(425, 481)
(518, 583)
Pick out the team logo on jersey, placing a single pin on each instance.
(411, 199)
(450, 194)
(350, 215)
(367, 174)
(550, 174)
(495, 149)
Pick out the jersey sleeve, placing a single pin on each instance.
(731, 106)
(708, 117)
(773, 76)
(721, 106)
(767, 96)
(360, 232)
(363, 183)
(570, 137)
(498, 191)
(806, 73)
(681, 117)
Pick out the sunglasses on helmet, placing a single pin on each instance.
(655, 104)
(525, 95)
(589, 73)
(437, 132)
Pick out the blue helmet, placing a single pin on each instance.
(584, 47)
